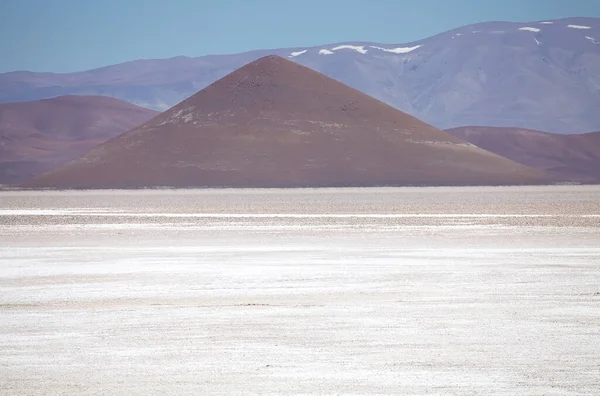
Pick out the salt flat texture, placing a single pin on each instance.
(409, 291)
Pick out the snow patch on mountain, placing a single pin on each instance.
(295, 54)
(593, 40)
(399, 50)
(547, 23)
(325, 52)
(357, 48)
(582, 27)
(530, 29)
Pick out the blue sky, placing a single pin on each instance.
(71, 35)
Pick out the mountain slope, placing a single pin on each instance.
(540, 75)
(569, 157)
(37, 136)
(274, 123)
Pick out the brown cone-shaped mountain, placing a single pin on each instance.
(274, 123)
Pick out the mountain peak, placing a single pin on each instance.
(274, 123)
(276, 59)
(272, 85)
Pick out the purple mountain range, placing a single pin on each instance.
(542, 75)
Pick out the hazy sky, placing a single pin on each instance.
(70, 35)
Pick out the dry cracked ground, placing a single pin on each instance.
(408, 291)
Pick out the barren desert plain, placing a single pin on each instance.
(408, 291)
